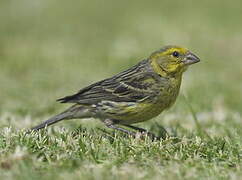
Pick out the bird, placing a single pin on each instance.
(137, 94)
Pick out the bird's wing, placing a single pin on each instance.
(132, 85)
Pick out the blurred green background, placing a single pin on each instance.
(52, 48)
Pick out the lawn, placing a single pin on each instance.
(50, 49)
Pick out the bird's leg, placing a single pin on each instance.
(143, 131)
(110, 124)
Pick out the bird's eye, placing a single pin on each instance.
(175, 54)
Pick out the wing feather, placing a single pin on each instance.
(131, 85)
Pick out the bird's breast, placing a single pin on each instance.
(169, 92)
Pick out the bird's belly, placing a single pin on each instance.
(129, 112)
(133, 112)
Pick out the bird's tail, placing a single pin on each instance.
(71, 113)
(52, 120)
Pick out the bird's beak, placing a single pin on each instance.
(190, 59)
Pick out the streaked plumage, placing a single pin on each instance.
(135, 95)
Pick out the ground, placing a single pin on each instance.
(50, 49)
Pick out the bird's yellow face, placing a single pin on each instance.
(172, 60)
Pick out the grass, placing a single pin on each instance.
(50, 49)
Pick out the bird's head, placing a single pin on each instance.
(172, 60)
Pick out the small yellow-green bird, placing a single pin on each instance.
(135, 95)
